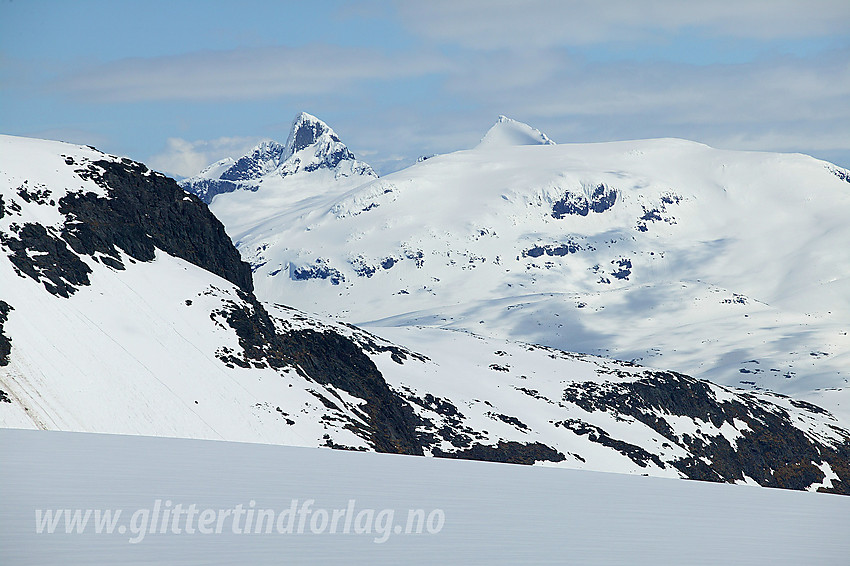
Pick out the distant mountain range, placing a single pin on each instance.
(726, 265)
(125, 307)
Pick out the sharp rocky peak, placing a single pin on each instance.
(307, 130)
(311, 145)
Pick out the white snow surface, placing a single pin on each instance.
(493, 513)
(726, 265)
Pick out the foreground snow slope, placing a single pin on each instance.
(727, 265)
(125, 309)
(494, 513)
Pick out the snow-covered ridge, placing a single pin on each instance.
(311, 146)
(23, 159)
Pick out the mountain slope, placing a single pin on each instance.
(730, 266)
(116, 321)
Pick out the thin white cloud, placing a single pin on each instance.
(644, 99)
(786, 140)
(493, 24)
(247, 73)
(496, 57)
(780, 104)
(186, 158)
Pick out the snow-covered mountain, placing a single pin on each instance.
(312, 146)
(125, 309)
(726, 265)
(507, 132)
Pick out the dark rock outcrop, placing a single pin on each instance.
(207, 189)
(319, 270)
(770, 449)
(595, 434)
(602, 198)
(253, 165)
(842, 174)
(508, 452)
(5, 341)
(140, 212)
(557, 250)
(144, 210)
(328, 358)
(44, 256)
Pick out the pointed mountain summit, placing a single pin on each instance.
(308, 130)
(312, 145)
(508, 132)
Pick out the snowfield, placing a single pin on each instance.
(493, 513)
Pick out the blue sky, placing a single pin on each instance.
(180, 84)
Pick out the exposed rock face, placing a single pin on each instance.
(329, 359)
(842, 174)
(143, 211)
(770, 449)
(318, 270)
(306, 131)
(5, 341)
(600, 199)
(264, 158)
(557, 250)
(511, 452)
(45, 257)
(207, 189)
